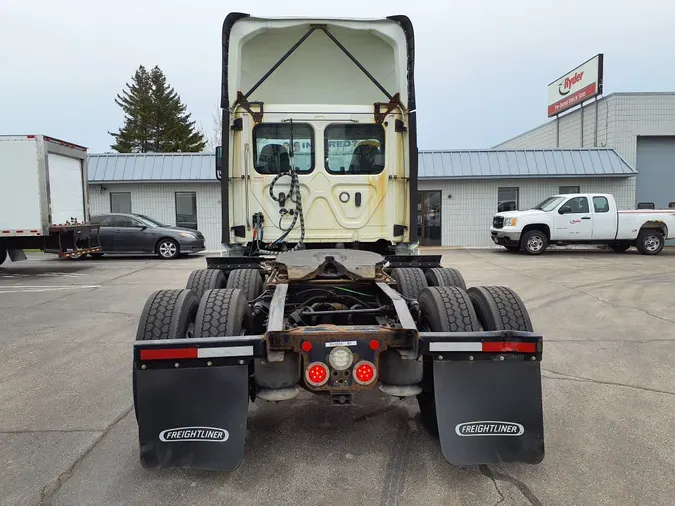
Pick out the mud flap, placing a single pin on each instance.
(489, 411)
(192, 400)
(192, 418)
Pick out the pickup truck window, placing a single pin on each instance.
(600, 204)
(578, 205)
(354, 149)
(549, 204)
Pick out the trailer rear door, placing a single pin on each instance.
(66, 188)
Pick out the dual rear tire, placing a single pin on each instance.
(452, 309)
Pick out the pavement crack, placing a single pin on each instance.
(51, 488)
(49, 431)
(487, 472)
(521, 486)
(618, 306)
(567, 377)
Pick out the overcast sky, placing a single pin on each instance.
(481, 72)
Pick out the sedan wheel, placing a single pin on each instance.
(168, 249)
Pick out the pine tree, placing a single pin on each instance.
(155, 118)
(135, 135)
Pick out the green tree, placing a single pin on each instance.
(155, 118)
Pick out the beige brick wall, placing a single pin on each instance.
(622, 117)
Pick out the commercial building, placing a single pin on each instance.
(459, 190)
(640, 127)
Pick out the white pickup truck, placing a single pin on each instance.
(583, 218)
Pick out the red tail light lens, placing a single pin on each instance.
(316, 374)
(364, 372)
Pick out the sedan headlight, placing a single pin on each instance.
(187, 235)
(510, 222)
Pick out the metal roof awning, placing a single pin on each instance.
(461, 164)
(522, 163)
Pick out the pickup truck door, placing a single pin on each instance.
(576, 225)
(604, 219)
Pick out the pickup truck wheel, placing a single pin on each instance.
(222, 312)
(168, 314)
(409, 281)
(534, 242)
(499, 308)
(248, 280)
(205, 279)
(445, 277)
(444, 309)
(619, 248)
(650, 241)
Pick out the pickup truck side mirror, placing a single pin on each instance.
(565, 210)
(219, 162)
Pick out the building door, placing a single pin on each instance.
(429, 218)
(656, 172)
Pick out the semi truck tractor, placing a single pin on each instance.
(43, 198)
(320, 287)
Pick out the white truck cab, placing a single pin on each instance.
(583, 218)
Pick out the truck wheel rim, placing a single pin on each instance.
(652, 242)
(167, 249)
(535, 243)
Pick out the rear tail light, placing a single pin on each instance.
(316, 374)
(364, 373)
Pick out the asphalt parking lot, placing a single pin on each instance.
(68, 433)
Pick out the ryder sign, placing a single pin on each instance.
(580, 84)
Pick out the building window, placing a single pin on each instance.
(271, 143)
(601, 204)
(564, 190)
(120, 202)
(186, 210)
(507, 199)
(354, 149)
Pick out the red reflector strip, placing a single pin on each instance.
(188, 353)
(487, 347)
(504, 347)
(168, 353)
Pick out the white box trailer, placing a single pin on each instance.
(43, 197)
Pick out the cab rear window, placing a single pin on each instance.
(354, 149)
(272, 145)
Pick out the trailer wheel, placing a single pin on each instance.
(248, 281)
(619, 247)
(445, 277)
(650, 241)
(205, 279)
(499, 308)
(222, 312)
(3, 254)
(444, 309)
(168, 314)
(409, 281)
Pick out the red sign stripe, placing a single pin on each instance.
(168, 353)
(500, 347)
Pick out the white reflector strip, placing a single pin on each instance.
(455, 346)
(225, 351)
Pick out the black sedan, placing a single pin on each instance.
(121, 233)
